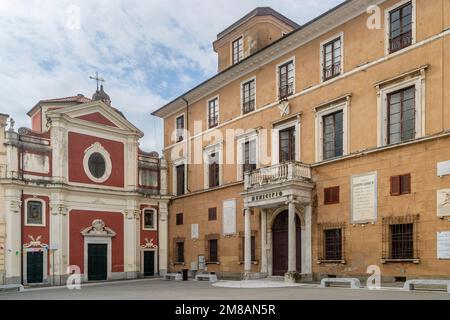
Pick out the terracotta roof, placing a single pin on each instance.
(260, 11)
(79, 98)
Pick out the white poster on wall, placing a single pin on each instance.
(194, 231)
(443, 245)
(443, 203)
(364, 198)
(229, 217)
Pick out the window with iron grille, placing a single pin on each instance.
(213, 113)
(238, 50)
(212, 248)
(249, 153)
(179, 219)
(401, 185)
(179, 252)
(400, 238)
(331, 242)
(401, 115)
(214, 171)
(286, 74)
(333, 135)
(212, 214)
(248, 96)
(180, 183)
(287, 145)
(180, 128)
(401, 27)
(332, 55)
(331, 195)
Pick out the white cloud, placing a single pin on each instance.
(148, 51)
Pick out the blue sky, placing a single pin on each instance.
(148, 51)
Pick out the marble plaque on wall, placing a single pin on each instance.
(194, 231)
(229, 217)
(443, 245)
(443, 203)
(443, 168)
(364, 198)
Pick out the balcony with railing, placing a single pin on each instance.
(277, 174)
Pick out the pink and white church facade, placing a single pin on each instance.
(80, 195)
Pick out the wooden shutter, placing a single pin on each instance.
(395, 185)
(213, 250)
(405, 184)
(212, 214)
(331, 195)
(179, 219)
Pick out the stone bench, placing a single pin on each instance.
(354, 283)
(11, 287)
(410, 284)
(208, 277)
(174, 276)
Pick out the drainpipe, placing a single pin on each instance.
(21, 252)
(187, 141)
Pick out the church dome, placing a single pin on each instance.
(101, 95)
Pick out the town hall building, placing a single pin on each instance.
(79, 195)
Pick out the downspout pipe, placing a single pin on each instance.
(187, 141)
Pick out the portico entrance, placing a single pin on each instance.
(280, 244)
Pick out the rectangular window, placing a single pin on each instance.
(333, 244)
(249, 152)
(213, 250)
(180, 252)
(248, 96)
(179, 219)
(331, 195)
(35, 213)
(238, 50)
(286, 74)
(401, 27)
(180, 183)
(180, 128)
(332, 59)
(401, 115)
(213, 113)
(333, 135)
(149, 219)
(287, 145)
(214, 170)
(212, 214)
(400, 238)
(401, 185)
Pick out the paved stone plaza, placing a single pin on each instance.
(155, 289)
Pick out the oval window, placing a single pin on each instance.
(97, 165)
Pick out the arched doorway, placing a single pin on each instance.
(280, 244)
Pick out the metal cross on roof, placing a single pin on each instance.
(98, 79)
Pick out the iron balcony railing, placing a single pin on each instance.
(287, 171)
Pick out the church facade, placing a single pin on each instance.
(80, 196)
(320, 150)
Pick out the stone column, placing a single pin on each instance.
(264, 269)
(13, 249)
(292, 244)
(307, 261)
(247, 242)
(58, 242)
(131, 243)
(59, 151)
(163, 238)
(164, 186)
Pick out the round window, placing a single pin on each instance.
(97, 165)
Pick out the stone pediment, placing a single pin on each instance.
(98, 229)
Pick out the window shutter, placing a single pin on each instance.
(327, 196)
(395, 186)
(405, 184)
(335, 195)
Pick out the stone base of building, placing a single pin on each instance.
(253, 275)
(292, 277)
